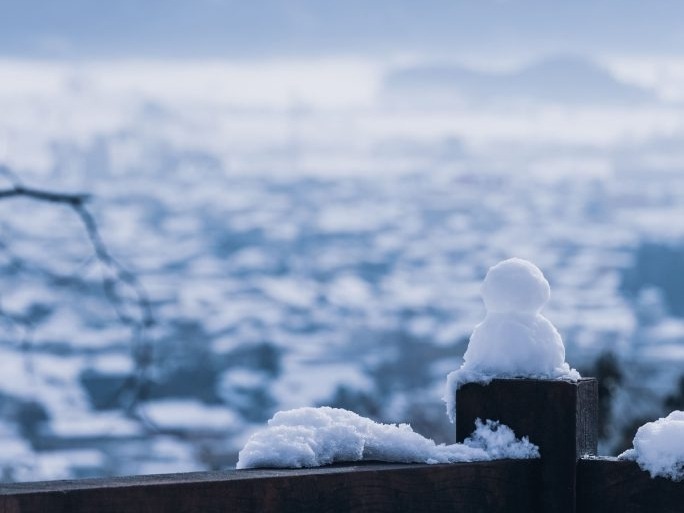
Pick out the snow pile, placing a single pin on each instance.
(659, 447)
(514, 340)
(311, 437)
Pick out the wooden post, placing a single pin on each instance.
(607, 484)
(558, 416)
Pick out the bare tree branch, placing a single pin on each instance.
(53, 197)
(117, 280)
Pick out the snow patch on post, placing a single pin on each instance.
(659, 447)
(514, 340)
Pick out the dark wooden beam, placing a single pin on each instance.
(606, 485)
(503, 486)
(558, 416)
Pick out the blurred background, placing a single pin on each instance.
(293, 203)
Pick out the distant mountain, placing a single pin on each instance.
(562, 79)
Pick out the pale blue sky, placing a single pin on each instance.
(219, 28)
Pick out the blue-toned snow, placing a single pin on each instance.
(312, 437)
(659, 447)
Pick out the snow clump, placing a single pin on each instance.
(659, 447)
(514, 340)
(311, 437)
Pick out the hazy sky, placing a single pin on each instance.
(248, 28)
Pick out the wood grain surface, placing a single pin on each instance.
(509, 486)
(560, 417)
(608, 485)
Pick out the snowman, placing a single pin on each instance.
(515, 339)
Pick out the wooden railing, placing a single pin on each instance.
(559, 417)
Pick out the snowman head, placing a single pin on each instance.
(515, 286)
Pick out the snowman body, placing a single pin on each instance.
(515, 343)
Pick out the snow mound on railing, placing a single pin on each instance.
(659, 447)
(311, 437)
(514, 340)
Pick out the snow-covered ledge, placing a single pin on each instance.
(538, 397)
(514, 371)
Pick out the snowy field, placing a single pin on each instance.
(315, 233)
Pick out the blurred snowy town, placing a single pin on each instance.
(314, 231)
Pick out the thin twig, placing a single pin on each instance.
(115, 276)
(53, 197)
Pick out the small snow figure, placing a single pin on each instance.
(514, 340)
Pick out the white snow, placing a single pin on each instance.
(515, 286)
(514, 340)
(311, 437)
(296, 293)
(295, 389)
(17, 458)
(188, 414)
(100, 424)
(659, 447)
(61, 464)
(349, 291)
